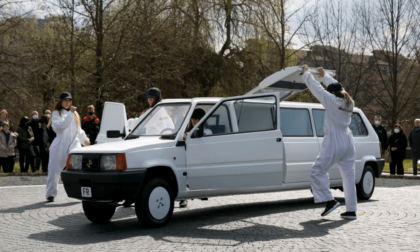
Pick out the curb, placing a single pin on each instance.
(399, 177)
(23, 174)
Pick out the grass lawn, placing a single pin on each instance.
(16, 169)
(408, 164)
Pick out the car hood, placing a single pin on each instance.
(123, 146)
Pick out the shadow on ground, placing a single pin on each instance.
(199, 224)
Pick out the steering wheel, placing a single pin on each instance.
(166, 129)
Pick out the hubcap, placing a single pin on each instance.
(159, 203)
(368, 182)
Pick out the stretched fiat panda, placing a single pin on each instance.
(254, 143)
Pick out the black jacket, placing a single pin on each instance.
(400, 142)
(414, 140)
(382, 135)
(91, 128)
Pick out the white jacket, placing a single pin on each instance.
(68, 137)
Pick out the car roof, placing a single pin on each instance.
(283, 104)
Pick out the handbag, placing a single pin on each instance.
(33, 150)
(387, 155)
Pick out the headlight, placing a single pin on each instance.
(108, 162)
(74, 162)
(113, 162)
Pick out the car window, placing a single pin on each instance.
(319, 115)
(165, 119)
(248, 115)
(295, 122)
(357, 125)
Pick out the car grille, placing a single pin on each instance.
(90, 162)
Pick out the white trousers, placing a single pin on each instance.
(54, 171)
(344, 155)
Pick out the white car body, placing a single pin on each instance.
(225, 163)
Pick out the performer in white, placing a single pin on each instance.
(337, 146)
(65, 121)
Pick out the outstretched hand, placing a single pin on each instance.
(321, 72)
(305, 68)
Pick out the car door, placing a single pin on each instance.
(300, 143)
(114, 118)
(242, 148)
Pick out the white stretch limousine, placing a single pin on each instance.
(257, 144)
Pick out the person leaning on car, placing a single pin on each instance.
(381, 132)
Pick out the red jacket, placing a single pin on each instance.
(87, 118)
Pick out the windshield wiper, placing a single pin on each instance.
(131, 137)
(168, 137)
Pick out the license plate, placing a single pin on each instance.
(86, 192)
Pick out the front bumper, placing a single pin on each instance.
(105, 186)
(380, 162)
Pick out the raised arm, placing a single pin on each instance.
(315, 87)
(60, 123)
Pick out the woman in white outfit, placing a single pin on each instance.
(337, 146)
(153, 96)
(65, 122)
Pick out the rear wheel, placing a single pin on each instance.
(155, 206)
(366, 186)
(98, 213)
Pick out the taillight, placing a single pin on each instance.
(121, 162)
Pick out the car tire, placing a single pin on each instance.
(98, 213)
(366, 186)
(155, 206)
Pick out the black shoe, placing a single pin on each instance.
(349, 215)
(183, 204)
(331, 206)
(50, 199)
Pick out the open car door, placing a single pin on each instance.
(286, 82)
(114, 123)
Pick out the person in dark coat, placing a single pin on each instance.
(398, 143)
(91, 124)
(25, 138)
(380, 131)
(41, 139)
(414, 141)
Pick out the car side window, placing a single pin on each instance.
(319, 115)
(247, 115)
(295, 122)
(357, 125)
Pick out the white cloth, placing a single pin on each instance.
(68, 138)
(132, 123)
(156, 124)
(337, 146)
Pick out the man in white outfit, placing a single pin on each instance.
(337, 146)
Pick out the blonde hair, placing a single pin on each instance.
(59, 108)
(345, 96)
(91, 106)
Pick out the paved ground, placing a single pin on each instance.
(285, 221)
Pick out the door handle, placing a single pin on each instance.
(278, 139)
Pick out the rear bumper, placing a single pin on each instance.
(105, 186)
(380, 162)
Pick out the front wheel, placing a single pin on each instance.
(155, 206)
(366, 186)
(98, 213)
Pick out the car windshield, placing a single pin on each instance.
(164, 119)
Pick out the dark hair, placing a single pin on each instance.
(156, 100)
(197, 114)
(397, 125)
(5, 123)
(44, 120)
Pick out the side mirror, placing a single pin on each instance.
(114, 134)
(199, 132)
